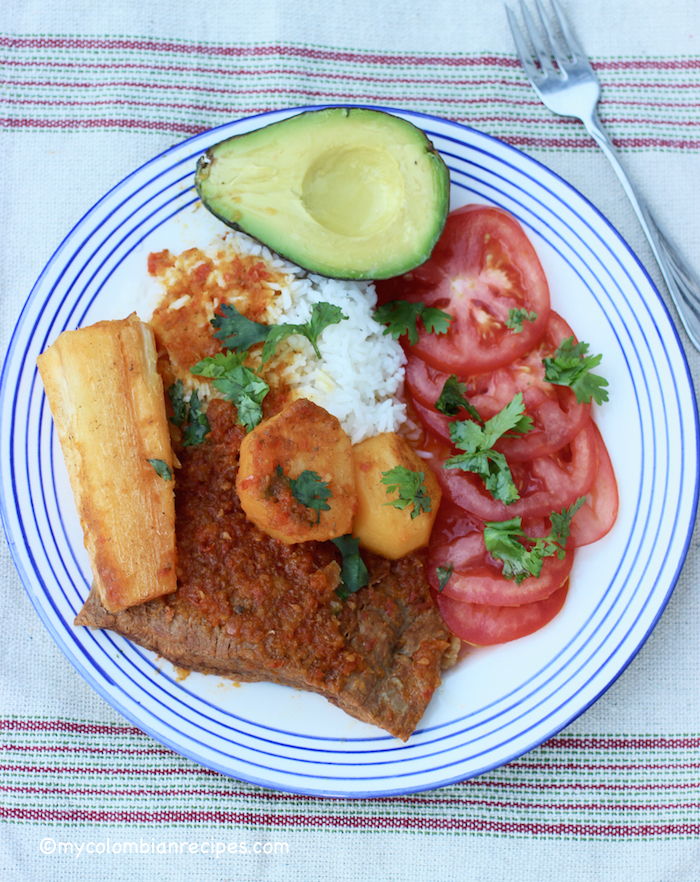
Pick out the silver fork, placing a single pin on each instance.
(571, 88)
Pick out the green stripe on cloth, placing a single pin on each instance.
(577, 787)
(179, 87)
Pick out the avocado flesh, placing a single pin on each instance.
(347, 193)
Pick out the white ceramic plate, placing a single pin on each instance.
(500, 702)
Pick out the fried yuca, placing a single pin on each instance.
(107, 401)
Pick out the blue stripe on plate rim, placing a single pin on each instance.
(666, 582)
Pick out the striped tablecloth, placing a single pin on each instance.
(88, 94)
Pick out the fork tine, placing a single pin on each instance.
(543, 54)
(572, 43)
(523, 51)
(559, 52)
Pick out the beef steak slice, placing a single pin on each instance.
(254, 609)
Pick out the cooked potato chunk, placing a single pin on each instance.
(295, 479)
(379, 525)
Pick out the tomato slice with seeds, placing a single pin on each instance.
(556, 414)
(545, 484)
(486, 625)
(478, 578)
(482, 267)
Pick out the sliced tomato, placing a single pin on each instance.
(555, 423)
(482, 267)
(545, 484)
(478, 578)
(597, 515)
(453, 522)
(557, 416)
(484, 625)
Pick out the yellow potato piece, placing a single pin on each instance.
(302, 437)
(381, 528)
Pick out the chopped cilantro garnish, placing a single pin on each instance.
(444, 574)
(162, 469)
(522, 555)
(238, 383)
(517, 317)
(194, 424)
(411, 488)
(452, 400)
(570, 366)
(401, 317)
(477, 442)
(176, 394)
(309, 490)
(236, 331)
(354, 574)
(240, 333)
(197, 427)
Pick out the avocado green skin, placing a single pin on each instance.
(428, 168)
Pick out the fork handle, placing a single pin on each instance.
(681, 282)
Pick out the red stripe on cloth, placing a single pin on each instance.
(178, 105)
(469, 803)
(484, 783)
(621, 742)
(193, 129)
(349, 96)
(100, 770)
(558, 742)
(160, 125)
(287, 51)
(353, 822)
(14, 725)
(319, 54)
(135, 84)
(106, 751)
(566, 143)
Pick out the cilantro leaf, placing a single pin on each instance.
(452, 399)
(309, 490)
(240, 333)
(411, 488)
(188, 417)
(354, 574)
(238, 383)
(162, 469)
(561, 522)
(570, 366)
(401, 317)
(516, 318)
(520, 560)
(176, 394)
(322, 315)
(522, 555)
(444, 574)
(510, 419)
(477, 443)
(197, 426)
(236, 331)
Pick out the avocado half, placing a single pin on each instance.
(344, 192)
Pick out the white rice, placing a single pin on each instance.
(359, 377)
